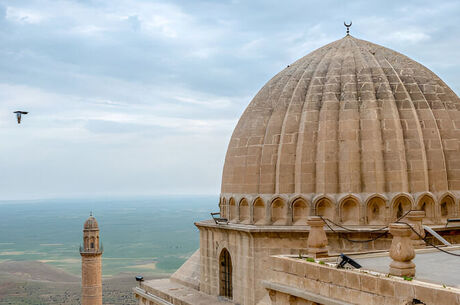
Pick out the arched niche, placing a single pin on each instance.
(447, 207)
(401, 205)
(225, 274)
(300, 212)
(232, 209)
(349, 211)
(426, 203)
(325, 208)
(375, 211)
(259, 212)
(279, 212)
(244, 211)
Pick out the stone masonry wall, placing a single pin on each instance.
(249, 252)
(342, 286)
(91, 279)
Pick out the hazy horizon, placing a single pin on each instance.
(159, 232)
(139, 98)
(105, 198)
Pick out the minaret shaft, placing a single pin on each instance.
(91, 264)
(91, 279)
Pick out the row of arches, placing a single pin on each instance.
(350, 210)
(90, 242)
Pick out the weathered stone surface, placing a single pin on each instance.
(349, 286)
(414, 218)
(356, 133)
(317, 240)
(349, 118)
(91, 264)
(167, 292)
(401, 250)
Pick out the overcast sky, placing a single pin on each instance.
(135, 98)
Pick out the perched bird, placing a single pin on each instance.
(18, 115)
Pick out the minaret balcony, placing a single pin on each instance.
(91, 251)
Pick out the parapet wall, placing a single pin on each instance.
(295, 281)
(250, 247)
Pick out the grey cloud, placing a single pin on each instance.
(184, 62)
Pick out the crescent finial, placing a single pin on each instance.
(348, 26)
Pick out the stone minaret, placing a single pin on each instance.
(91, 264)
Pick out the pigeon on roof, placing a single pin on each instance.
(19, 114)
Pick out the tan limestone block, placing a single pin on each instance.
(386, 287)
(414, 218)
(317, 240)
(401, 250)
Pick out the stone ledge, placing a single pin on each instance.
(169, 292)
(144, 294)
(275, 228)
(291, 228)
(303, 294)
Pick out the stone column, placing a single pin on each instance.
(401, 250)
(237, 212)
(414, 218)
(317, 240)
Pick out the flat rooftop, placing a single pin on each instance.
(432, 265)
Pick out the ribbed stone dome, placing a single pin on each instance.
(350, 117)
(91, 224)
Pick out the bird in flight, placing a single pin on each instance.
(19, 114)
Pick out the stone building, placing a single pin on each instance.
(91, 264)
(354, 132)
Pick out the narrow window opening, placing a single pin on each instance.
(225, 273)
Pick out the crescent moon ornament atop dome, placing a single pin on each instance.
(348, 26)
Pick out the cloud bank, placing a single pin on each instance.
(140, 97)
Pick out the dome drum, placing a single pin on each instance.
(350, 209)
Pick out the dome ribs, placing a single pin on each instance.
(413, 138)
(305, 162)
(241, 168)
(394, 155)
(272, 136)
(253, 167)
(448, 122)
(444, 107)
(350, 117)
(436, 163)
(327, 144)
(371, 138)
(285, 165)
(349, 167)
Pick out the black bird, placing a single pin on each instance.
(18, 115)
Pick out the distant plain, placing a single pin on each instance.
(148, 236)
